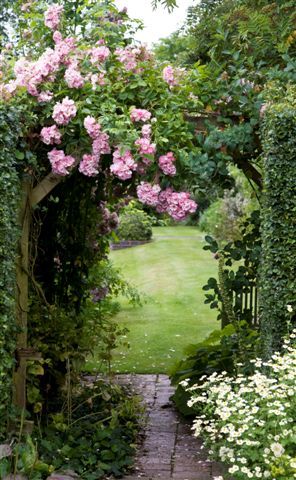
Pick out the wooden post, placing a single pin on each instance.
(30, 198)
(22, 282)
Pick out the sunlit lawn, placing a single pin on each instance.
(170, 271)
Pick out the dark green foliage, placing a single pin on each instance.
(134, 224)
(219, 352)
(278, 272)
(66, 338)
(10, 130)
(94, 435)
(99, 439)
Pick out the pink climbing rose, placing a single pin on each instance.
(177, 204)
(180, 205)
(45, 96)
(172, 75)
(166, 163)
(51, 135)
(148, 194)
(60, 162)
(128, 57)
(52, 16)
(64, 111)
(99, 54)
(89, 165)
(145, 147)
(140, 115)
(92, 127)
(73, 77)
(101, 144)
(146, 131)
(123, 165)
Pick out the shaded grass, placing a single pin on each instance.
(170, 272)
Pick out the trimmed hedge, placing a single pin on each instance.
(134, 224)
(278, 269)
(10, 131)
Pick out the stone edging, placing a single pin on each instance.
(128, 244)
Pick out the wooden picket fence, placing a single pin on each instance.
(247, 301)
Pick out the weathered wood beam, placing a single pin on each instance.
(44, 188)
(22, 295)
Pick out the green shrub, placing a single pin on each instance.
(278, 279)
(217, 353)
(134, 224)
(223, 218)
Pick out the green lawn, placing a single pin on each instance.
(170, 271)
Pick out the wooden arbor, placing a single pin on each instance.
(31, 197)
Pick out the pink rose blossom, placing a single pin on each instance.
(52, 16)
(51, 135)
(57, 37)
(45, 96)
(99, 54)
(177, 204)
(64, 47)
(145, 147)
(146, 131)
(171, 75)
(64, 111)
(128, 57)
(92, 127)
(89, 165)
(60, 162)
(123, 165)
(32, 74)
(11, 86)
(148, 194)
(166, 163)
(73, 78)
(101, 145)
(163, 199)
(140, 115)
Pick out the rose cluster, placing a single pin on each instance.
(177, 204)
(60, 162)
(172, 75)
(123, 164)
(166, 163)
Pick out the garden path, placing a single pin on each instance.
(169, 451)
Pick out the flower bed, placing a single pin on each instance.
(250, 422)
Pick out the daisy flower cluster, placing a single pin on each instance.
(250, 422)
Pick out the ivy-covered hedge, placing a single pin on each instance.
(278, 271)
(9, 233)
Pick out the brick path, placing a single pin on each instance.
(169, 451)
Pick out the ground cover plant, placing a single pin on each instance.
(170, 272)
(249, 421)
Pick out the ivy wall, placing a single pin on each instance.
(278, 270)
(9, 234)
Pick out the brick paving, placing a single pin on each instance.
(169, 451)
